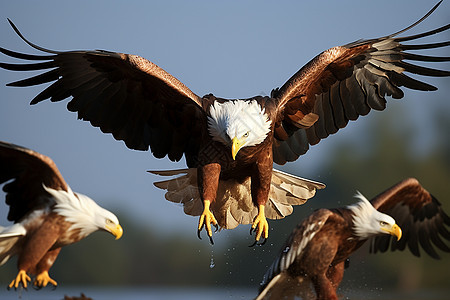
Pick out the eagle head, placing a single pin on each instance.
(107, 221)
(238, 124)
(367, 221)
(84, 213)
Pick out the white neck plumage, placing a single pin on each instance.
(241, 119)
(80, 210)
(366, 219)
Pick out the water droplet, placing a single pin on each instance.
(212, 264)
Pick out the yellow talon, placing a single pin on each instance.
(206, 218)
(21, 278)
(261, 222)
(43, 279)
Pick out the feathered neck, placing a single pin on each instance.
(236, 118)
(80, 210)
(366, 218)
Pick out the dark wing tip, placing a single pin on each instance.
(14, 27)
(417, 22)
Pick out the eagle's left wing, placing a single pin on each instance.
(25, 172)
(122, 94)
(419, 215)
(346, 82)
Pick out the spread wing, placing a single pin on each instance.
(25, 171)
(346, 82)
(419, 215)
(295, 244)
(126, 95)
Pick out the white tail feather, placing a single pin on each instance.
(234, 205)
(9, 236)
(287, 287)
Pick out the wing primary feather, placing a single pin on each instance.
(421, 70)
(319, 126)
(418, 57)
(53, 91)
(349, 109)
(357, 95)
(28, 42)
(38, 79)
(438, 242)
(337, 106)
(26, 56)
(425, 242)
(424, 46)
(29, 67)
(444, 232)
(406, 81)
(417, 22)
(330, 119)
(421, 35)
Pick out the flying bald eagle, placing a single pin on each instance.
(47, 214)
(317, 250)
(229, 141)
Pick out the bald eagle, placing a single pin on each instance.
(47, 214)
(232, 141)
(318, 248)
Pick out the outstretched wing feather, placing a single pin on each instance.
(346, 82)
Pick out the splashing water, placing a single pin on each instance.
(211, 263)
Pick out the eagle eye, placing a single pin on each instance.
(246, 134)
(109, 222)
(382, 223)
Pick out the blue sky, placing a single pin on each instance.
(234, 49)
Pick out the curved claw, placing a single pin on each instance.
(210, 237)
(43, 279)
(206, 219)
(263, 242)
(21, 279)
(198, 233)
(255, 243)
(260, 225)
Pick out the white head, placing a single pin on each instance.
(84, 213)
(367, 221)
(238, 124)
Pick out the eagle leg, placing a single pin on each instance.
(43, 279)
(260, 225)
(21, 278)
(206, 218)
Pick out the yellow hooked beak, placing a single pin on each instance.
(235, 147)
(116, 230)
(395, 231)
